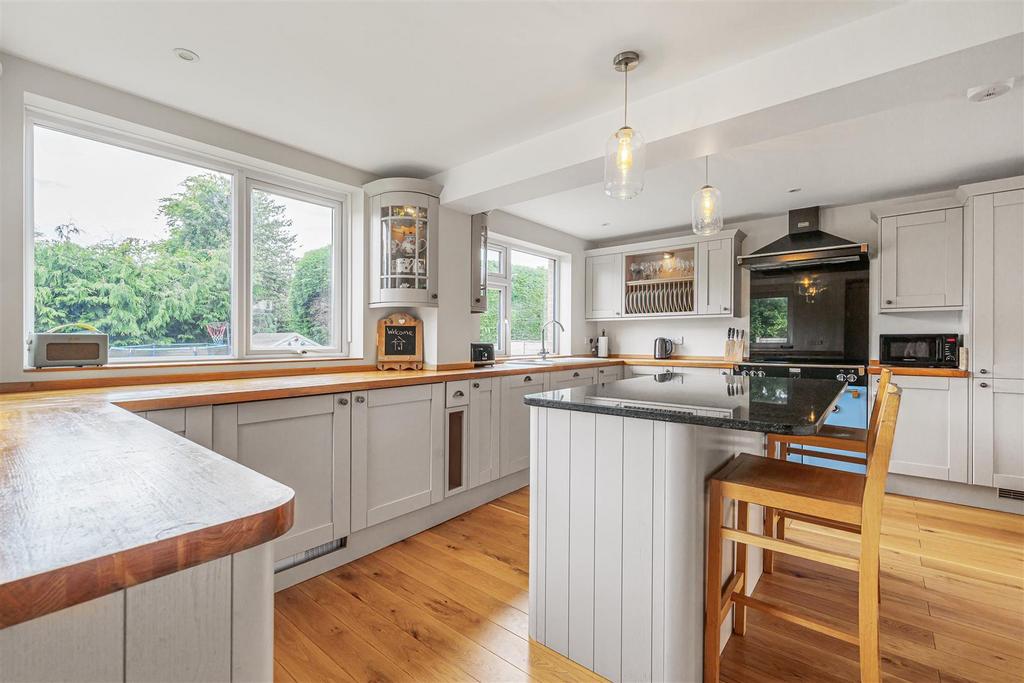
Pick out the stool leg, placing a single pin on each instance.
(767, 556)
(867, 617)
(713, 585)
(739, 617)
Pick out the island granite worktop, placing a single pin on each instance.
(779, 405)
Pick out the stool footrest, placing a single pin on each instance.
(779, 613)
(827, 456)
(736, 584)
(790, 548)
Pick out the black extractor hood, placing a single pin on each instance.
(805, 245)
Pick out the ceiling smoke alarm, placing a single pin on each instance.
(984, 93)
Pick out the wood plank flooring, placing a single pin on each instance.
(450, 604)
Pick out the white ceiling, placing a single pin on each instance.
(402, 87)
(929, 146)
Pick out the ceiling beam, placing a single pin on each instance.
(886, 60)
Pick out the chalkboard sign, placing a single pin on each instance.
(399, 343)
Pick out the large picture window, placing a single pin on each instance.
(144, 243)
(521, 298)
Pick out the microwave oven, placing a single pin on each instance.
(920, 350)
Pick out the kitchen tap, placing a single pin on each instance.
(543, 351)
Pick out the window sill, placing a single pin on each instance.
(230, 362)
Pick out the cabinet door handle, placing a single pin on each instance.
(476, 385)
(342, 401)
(888, 302)
(433, 296)
(983, 385)
(527, 379)
(983, 371)
(575, 374)
(360, 399)
(477, 300)
(458, 394)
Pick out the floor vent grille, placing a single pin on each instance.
(1011, 494)
(311, 554)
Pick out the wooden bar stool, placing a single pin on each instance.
(838, 438)
(819, 493)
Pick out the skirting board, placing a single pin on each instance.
(384, 534)
(952, 492)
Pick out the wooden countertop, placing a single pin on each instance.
(875, 368)
(94, 499)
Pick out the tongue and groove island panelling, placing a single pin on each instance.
(94, 499)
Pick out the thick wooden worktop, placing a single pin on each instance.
(94, 499)
(875, 368)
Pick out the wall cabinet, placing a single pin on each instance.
(478, 264)
(664, 278)
(604, 286)
(403, 216)
(717, 274)
(515, 420)
(484, 430)
(397, 452)
(921, 260)
(998, 311)
(932, 431)
(302, 443)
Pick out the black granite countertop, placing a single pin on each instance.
(780, 405)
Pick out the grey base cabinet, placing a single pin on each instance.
(484, 430)
(195, 424)
(998, 433)
(302, 443)
(515, 420)
(397, 452)
(932, 434)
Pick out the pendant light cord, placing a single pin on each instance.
(625, 97)
(706, 163)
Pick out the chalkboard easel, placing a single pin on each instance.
(399, 343)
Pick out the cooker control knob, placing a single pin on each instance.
(851, 377)
(760, 373)
(841, 377)
(745, 373)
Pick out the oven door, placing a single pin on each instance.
(815, 315)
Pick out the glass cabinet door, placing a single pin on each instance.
(405, 249)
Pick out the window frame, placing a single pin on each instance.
(503, 282)
(244, 171)
(337, 275)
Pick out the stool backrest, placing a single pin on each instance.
(883, 382)
(878, 458)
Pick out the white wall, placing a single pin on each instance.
(448, 330)
(707, 337)
(571, 277)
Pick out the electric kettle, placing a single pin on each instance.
(663, 347)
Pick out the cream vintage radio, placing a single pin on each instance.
(68, 349)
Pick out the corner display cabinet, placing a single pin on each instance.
(403, 241)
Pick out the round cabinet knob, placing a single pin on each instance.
(476, 300)
(888, 302)
(476, 385)
(841, 377)
(983, 385)
(360, 399)
(527, 379)
(616, 312)
(725, 309)
(433, 296)
(342, 401)
(851, 377)
(983, 371)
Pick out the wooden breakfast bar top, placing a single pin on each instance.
(94, 499)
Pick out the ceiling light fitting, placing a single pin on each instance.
(984, 93)
(186, 55)
(707, 206)
(624, 152)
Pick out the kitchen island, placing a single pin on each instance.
(617, 510)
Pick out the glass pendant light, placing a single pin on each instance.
(624, 154)
(707, 207)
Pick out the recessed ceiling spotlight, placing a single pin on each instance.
(794, 189)
(186, 55)
(984, 93)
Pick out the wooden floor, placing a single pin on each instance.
(450, 604)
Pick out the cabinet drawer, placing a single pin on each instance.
(382, 397)
(479, 385)
(171, 419)
(534, 379)
(284, 408)
(573, 376)
(456, 393)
